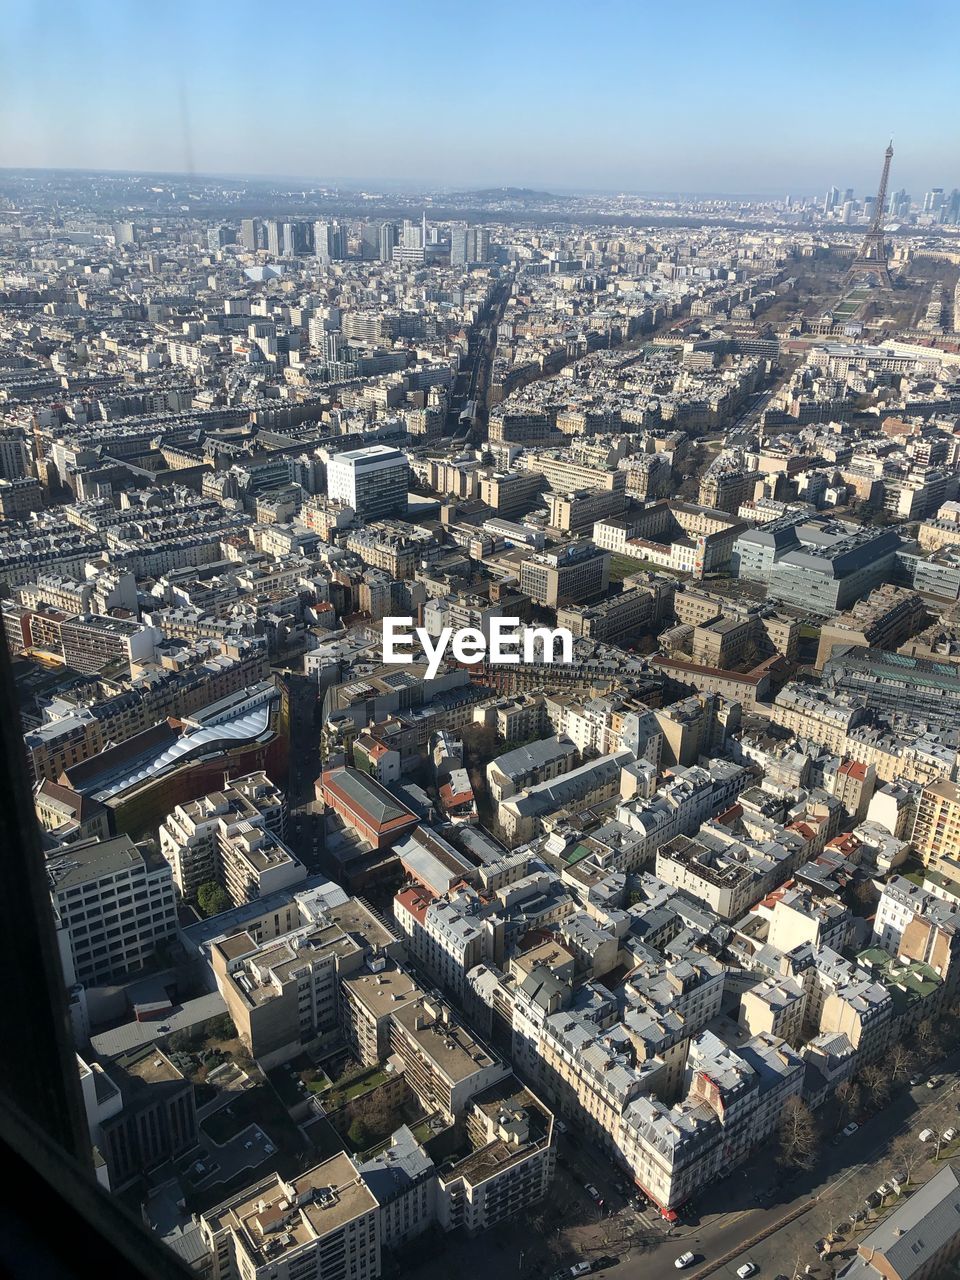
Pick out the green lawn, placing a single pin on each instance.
(340, 1093)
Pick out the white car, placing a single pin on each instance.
(747, 1269)
(850, 1129)
(949, 1135)
(926, 1135)
(684, 1260)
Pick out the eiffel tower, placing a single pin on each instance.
(871, 260)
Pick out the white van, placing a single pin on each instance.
(926, 1135)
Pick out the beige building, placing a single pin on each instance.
(321, 1224)
(936, 833)
(888, 616)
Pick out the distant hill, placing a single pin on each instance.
(501, 193)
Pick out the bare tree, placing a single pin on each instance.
(901, 1061)
(876, 1083)
(848, 1097)
(799, 1135)
(928, 1039)
(905, 1154)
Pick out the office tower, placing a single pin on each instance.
(329, 241)
(86, 885)
(458, 244)
(370, 241)
(274, 237)
(373, 481)
(830, 199)
(846, 217)
(250, 234)
(217, 237)
(847, 195)
(388, 240)
(332, 345)
(481, 251)
(933, 200)
(412, 237)
(125, 233)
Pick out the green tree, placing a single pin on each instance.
(212, 898)
(358, 1135)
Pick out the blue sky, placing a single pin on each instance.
(738, 97)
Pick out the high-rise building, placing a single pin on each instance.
(936, 833)
(370, 241)
(388, 240)
(373, 481)
(14, 454)
(458, 244)
(274, 237)
(217, 237)
(329, 241)
(251, 234)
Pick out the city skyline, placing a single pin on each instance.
(616, 104)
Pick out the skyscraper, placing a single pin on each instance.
(250, 234)
(274, 237)
(458, 244)
(388, 240)
(329, 241)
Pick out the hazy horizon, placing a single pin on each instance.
(617, 98)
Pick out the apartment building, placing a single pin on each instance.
(443, 1063)
(528, 765)
(572, 574)
(810, 712)
(114, 903)
(284, 994)
(635, 609)
(888, 616)
(197, 838)
(515, 719)
(520, 816)
(936, 832)
(370, 997)
(323, 1223)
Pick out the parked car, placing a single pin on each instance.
(873, 1201)
(684, 1260)
(604, 1261)
(857, 1216)
(926, 1135)
(884, 1190)
(747, 1269)
(593, 1193)
(949, 1135)
(579, 1269)
(560, 1126)
(850, 1129)
(934, 1082)
(916, 1080)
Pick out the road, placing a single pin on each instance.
(847, 1171)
